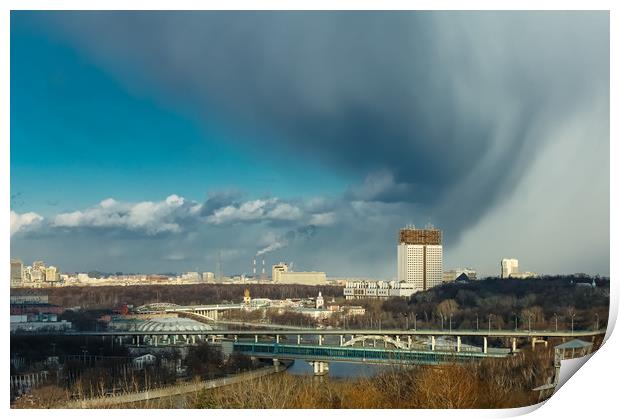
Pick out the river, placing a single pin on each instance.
(339, 369)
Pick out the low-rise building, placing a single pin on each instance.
(208, 277)
(280, 274)
(354, 310)
(451, 275)
(30, 323)
(29, 299)
(523, 275)
(142, 361)
(315, 313)
(377, 289)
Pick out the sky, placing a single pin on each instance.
(166, 141)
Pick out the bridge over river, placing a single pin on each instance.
(321, 346)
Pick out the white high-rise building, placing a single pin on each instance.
(51, 274)
(509, 267)
(17, 271)
(420, 257)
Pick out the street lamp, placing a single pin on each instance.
(572, 323)
(415, 318)
(450, 323)
(490, 323)
(556, 321)
(441, 315)
(477, 326)
(529, 323)
(516, 322)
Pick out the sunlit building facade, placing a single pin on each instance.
(420, 257)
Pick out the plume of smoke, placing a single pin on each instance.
(300, 233)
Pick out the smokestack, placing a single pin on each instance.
(254, 268)
(263, 275)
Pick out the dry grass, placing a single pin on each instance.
(492, 383)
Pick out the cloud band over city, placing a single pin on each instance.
(311, 137)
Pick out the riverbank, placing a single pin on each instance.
(174, 391)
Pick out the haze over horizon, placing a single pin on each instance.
(152, 141)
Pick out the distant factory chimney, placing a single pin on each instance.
(263, 276)
(254, 268)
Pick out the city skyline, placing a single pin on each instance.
(315, 147)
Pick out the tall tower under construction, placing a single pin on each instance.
(420, 257)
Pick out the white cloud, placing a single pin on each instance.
(256, 210)
(23, 221)
(148, 216)
(285, 211)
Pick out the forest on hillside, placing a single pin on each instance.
(502, 303)
(107, 297)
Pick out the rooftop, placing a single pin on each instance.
(574, 344)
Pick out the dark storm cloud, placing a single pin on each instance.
(449, 107)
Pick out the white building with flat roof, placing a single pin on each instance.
(509, 267)
(302, 278)
(420, 265)
(281, 275)
(377, 289)
(208, 277)
(17, 271)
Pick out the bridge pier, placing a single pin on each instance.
(535, 340)
(255, 338)
(319, 367)
(299, 339)
(320, 340)
(458, 344)
(485, 345)
(155, 340)
(341, 340)
(514, 344)
(432, 343)
(277, 338)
